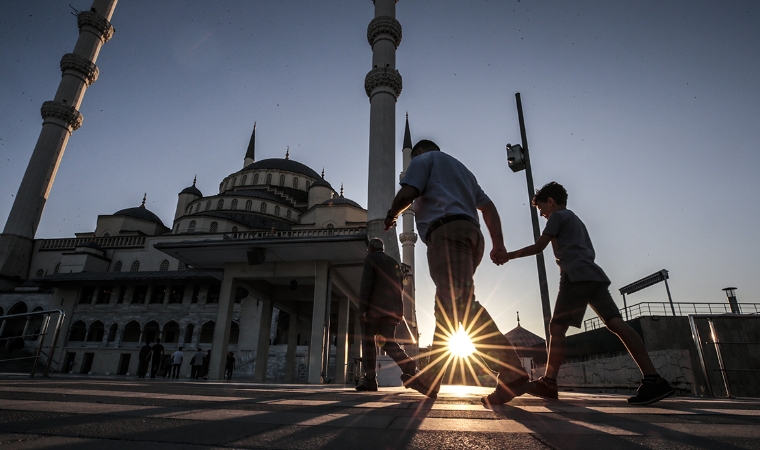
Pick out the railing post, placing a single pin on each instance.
(723, 373)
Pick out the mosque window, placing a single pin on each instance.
(287, 214)
(39, 273)
(86, 295)
(235, 182)
(182, 266)
(104, 295)
(263, 208)
(117, 266)
(220, 204)
(269, 179)
(164, 265)
(255, 178)
(234, 229)
(214, 227)
(282, 180)
(245, 178)
(308, 184)
(198, 207)
(248, 205)
(106, 234)
(330, 226)
(206, 336)
(277, 211)
(295, 182)
(208, 205)
(191, 227)
(139, 293)
(189, 209)
(57, 267)
(135, 266)
(234, 204)
(78, 331)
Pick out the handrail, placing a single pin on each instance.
(681, 308)
(104, 242)
(294, 233)
(40, 336)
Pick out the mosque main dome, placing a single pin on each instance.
(283, 164)
(140, 212)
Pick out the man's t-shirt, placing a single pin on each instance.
(447, 188)
(177, 357)
(198, 358)
(572, 248)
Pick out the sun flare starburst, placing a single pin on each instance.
(460, 344)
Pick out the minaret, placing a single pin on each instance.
(383, 86)
(408, 238)
(61, 117)
(250, 154)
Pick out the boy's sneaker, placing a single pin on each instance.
(504, 393)
(652, 391)
(419, 385)
(367, 385)
(542, 388)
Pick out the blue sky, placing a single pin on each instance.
(646, 111)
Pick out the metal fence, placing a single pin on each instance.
(38, 335)
(681, 309)
(732, 347)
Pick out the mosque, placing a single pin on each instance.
(268, 267)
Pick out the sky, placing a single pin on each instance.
(646, 111)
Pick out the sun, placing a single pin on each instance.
(460, 344)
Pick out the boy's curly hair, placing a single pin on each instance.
(553, 190)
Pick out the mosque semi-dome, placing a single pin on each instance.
(192, 190)
(341, 201)
(140, 212)
(283, 164)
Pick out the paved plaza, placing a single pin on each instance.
(103, 413)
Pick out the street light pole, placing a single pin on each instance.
(542, 284)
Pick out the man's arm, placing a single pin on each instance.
(493, 223)
(531, 250)
(403, 199)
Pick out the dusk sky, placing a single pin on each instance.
(647, 111)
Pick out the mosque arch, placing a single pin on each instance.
(207, 332)
(233, 205)
(248, 205)
(208, 205)
(234, 332)
(263, 208)
(287, 214)
(295, 182)
(57, 267)
(255, 178)
(18, 308)
(135, 266)
(220, 204)
(277, 211)
(245, 179)
(171, 332)
(77, 332)
(151, 332)
(308, 184)
(234, 229)
(214, 226)
(131, 332)
(282, 180)
(191, 227)
(164, 266)
(189, 333)
(96, 332)
(269, 179)
(39, 273)
(117, 266)
(112, 330)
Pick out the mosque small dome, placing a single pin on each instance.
(288, 165)
(341, 201)
(321, 182)
(192, 190)
(140, 212)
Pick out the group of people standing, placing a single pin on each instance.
(154, 357)
(446, 198)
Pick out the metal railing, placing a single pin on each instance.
(681, 309)
(104, 242)
(717, 343)
(295, 233)
(40, 336)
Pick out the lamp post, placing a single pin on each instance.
(731, 294)
(518, 159)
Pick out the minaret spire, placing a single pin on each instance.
(383, 86)
(407, 135)
(61, 117)
(250, 154)
(408, 240)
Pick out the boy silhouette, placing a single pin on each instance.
(582, 283)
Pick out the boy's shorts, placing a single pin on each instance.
(573, 298)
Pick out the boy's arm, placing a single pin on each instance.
(531, 250)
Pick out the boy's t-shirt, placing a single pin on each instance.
(572, 248)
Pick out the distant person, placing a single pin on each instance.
(157, 359)
(229, 365)
(196, 363)
(177, 358)
(144, 360)
(382, 309)
(206, 363)
(167, 366)
(447, 198)
(582, 283)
